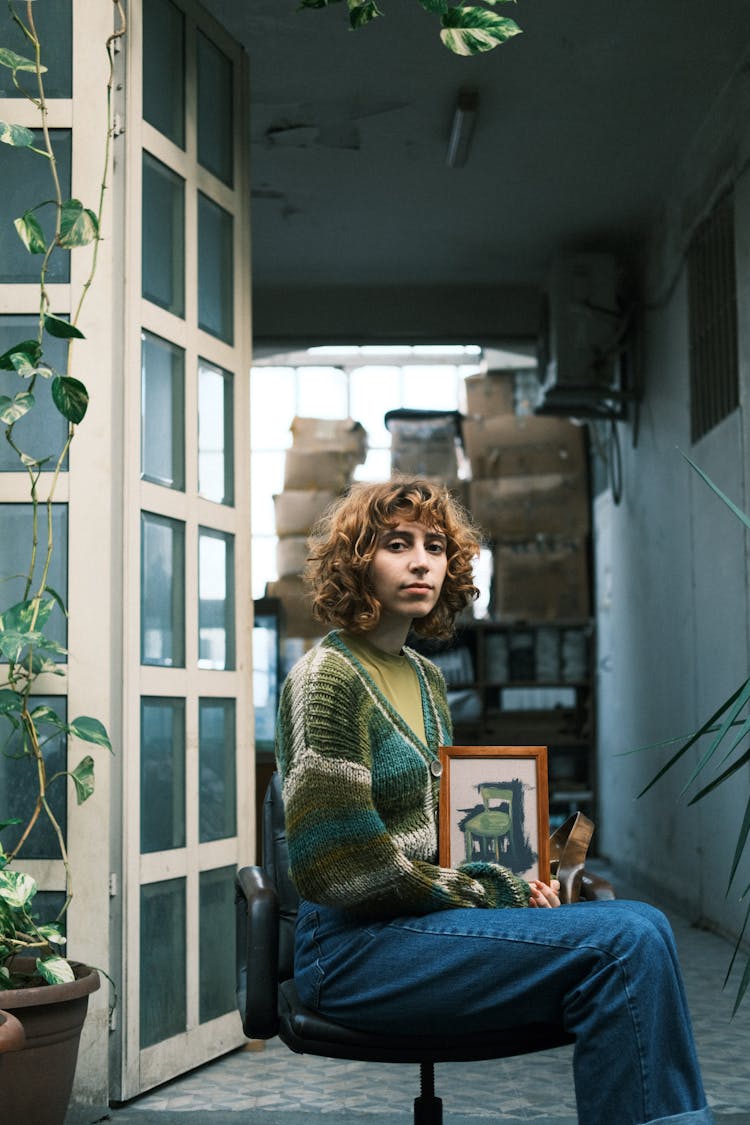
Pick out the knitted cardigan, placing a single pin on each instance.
(360, 801)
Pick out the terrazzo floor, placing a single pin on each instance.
(267, 1084)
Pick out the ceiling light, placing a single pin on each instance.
(464, 120)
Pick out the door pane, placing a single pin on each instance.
(162, 774)
(215, 433)
(162, 591)
(216, 921)
(42, 432)
(25, 179)
(18, 784)
(163, 961)
(215, 110)
(215, 269)
(17, 522)
(164, 69)
(163, 236)
(215, 599)
(162, 412)
(217, 754)
(53, 24)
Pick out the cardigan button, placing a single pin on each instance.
(436, 768)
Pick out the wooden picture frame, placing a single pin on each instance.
(494, 805)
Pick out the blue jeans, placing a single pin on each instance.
(607, 971)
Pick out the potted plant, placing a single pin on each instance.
(39, 986)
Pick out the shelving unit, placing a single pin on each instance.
(527, 684)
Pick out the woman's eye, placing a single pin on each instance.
(437, 548)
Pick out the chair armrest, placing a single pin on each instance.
(595, 887)
(257, 913)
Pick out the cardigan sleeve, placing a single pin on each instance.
(341, 851)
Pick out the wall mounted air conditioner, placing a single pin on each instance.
(581, 332)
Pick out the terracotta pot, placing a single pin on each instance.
(11, 1033)
(37, 1080)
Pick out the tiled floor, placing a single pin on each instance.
(272, 1080)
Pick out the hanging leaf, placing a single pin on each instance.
(30, 349)
(55, 970)
(83, 779)
(44, 714)
(16, 888)
(17, 135)
(362, 12)
(30, 233)
(90, 730)
(62, 329)
(11, 702)
(70, 397)
(438, 7)
(52, 933)
(78, 225)
(18, 62)
(469, 31)
(11, 409)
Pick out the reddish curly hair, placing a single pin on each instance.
(344, 541)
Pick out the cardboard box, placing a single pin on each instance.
(491, 393)
(543, 580)
(423, 443)
(291, 554)
(296, 612)
(341, 434)
(296, 511)
(522, 507)
(516, 445)
(327, 470)
(426, 459)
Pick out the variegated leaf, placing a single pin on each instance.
(470, 31)
(17, 135)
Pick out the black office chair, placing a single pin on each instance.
(268, 1003)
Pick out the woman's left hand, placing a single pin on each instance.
(544, 895)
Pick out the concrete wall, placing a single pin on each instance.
(672, 568)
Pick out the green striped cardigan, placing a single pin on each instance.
(360, 801)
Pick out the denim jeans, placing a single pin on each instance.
(607, 971)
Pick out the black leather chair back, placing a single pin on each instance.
(276, 866)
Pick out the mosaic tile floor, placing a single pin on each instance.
(269, 1079)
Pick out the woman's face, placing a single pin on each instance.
(408, 569)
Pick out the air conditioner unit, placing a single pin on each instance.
(579, 368)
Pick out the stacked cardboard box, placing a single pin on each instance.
(424, 443)
(529, 493)
(317, 468)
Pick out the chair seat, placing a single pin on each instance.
(307, 1032)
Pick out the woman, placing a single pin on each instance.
(385, 937)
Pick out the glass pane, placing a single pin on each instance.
(53, 23)
(217, 972)
(272, 406)
(42, 432)
(215, 433)
(215, 110)
(162, 774)
(264, 566)
(215, 269)
(18, 784)
(162, 591)
(162, 412)
(26, 181)
(163, 960)
(217, 754)
(265, 676)
(215, 599)
(163, 236)
(17, 522)
(431, 388)
(374, 391)
(322, 393)
(164, 69)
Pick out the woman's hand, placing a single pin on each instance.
(543, 895)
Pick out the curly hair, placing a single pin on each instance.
(344, 541)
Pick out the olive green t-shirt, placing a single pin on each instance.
(396, 678)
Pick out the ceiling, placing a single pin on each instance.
(583, 123)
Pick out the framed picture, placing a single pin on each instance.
(494, 806)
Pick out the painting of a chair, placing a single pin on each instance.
(489, 830)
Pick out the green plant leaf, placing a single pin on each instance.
(724, 729)
(52, 933)
(18, 62)
(78, 225)
(70, 397)
(55, 970)
(16, 888)
(57, 598)
(11, 703)
(362, 12)
(24, 615)
(30, 349)
(90, 730)
(83, 779)
(727, 773)
(16, 135)
(45, 714)
(31, 233)
(315, 3)
(62, 329)
(438, 7)
(469, 31)
(11, 409)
